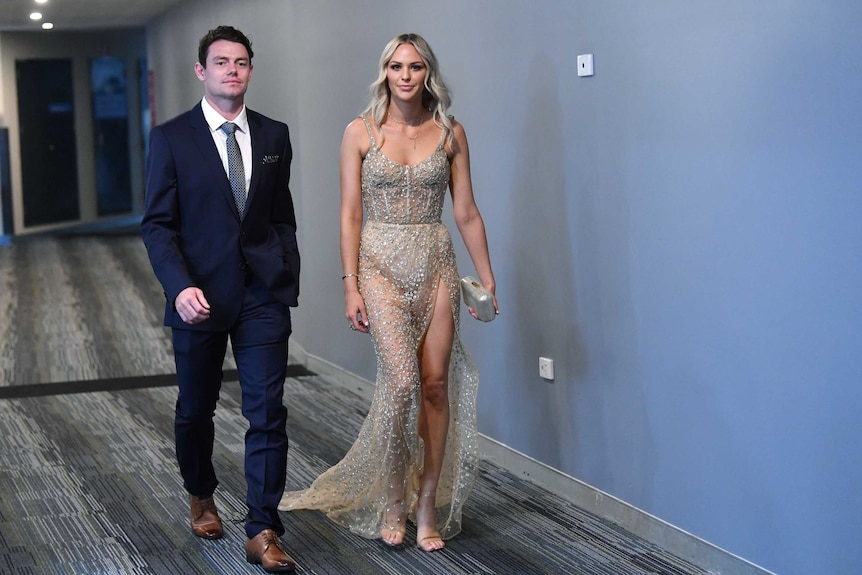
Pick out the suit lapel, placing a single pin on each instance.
(255, 127)
(212, 162)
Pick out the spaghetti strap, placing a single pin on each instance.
(370, 133)
(442, 142)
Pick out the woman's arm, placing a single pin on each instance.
(353, 147)
(467, 216)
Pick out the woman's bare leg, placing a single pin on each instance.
(399, 384)
(434, 357)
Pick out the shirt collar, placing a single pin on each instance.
(214, 120)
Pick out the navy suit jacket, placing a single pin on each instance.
(191, 227)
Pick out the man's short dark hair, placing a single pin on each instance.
(228, 33)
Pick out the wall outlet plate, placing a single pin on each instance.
(585, 65)
(546, 368)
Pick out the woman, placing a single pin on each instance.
(416, 453)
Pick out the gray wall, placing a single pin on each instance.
(81, 48)
(680, 233)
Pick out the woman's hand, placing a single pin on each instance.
(354, 305)
(476, 316)
(490, 286)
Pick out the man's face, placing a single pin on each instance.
(227, 72)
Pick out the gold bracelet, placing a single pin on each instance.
(345, 276)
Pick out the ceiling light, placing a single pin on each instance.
(35, 16)
(47, 26)
(41, 1)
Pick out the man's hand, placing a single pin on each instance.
(192, 305)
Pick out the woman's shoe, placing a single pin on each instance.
(430, 540)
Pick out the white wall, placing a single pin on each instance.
(679, 232)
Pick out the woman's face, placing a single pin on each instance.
(406, 73)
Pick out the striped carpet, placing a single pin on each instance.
(88, 480)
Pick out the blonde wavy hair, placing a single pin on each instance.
(436, 97)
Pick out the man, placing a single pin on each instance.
(220, 230)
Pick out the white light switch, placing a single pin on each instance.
(585, 65)
(546, 368)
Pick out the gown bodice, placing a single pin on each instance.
(395, 193)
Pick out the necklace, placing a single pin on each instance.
(403, 123)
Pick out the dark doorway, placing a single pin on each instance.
(111, 135)
(46, 119)
(5, 185)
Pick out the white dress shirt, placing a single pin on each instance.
(243, 138)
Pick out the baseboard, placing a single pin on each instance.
(337, 374)
(648, 527)
(705, 555)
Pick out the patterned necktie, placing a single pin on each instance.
(235, 169)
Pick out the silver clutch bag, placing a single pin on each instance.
(478, 298)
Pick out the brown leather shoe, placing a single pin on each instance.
(205, 519)
(265, 549)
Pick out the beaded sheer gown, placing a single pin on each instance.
(405, 251)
